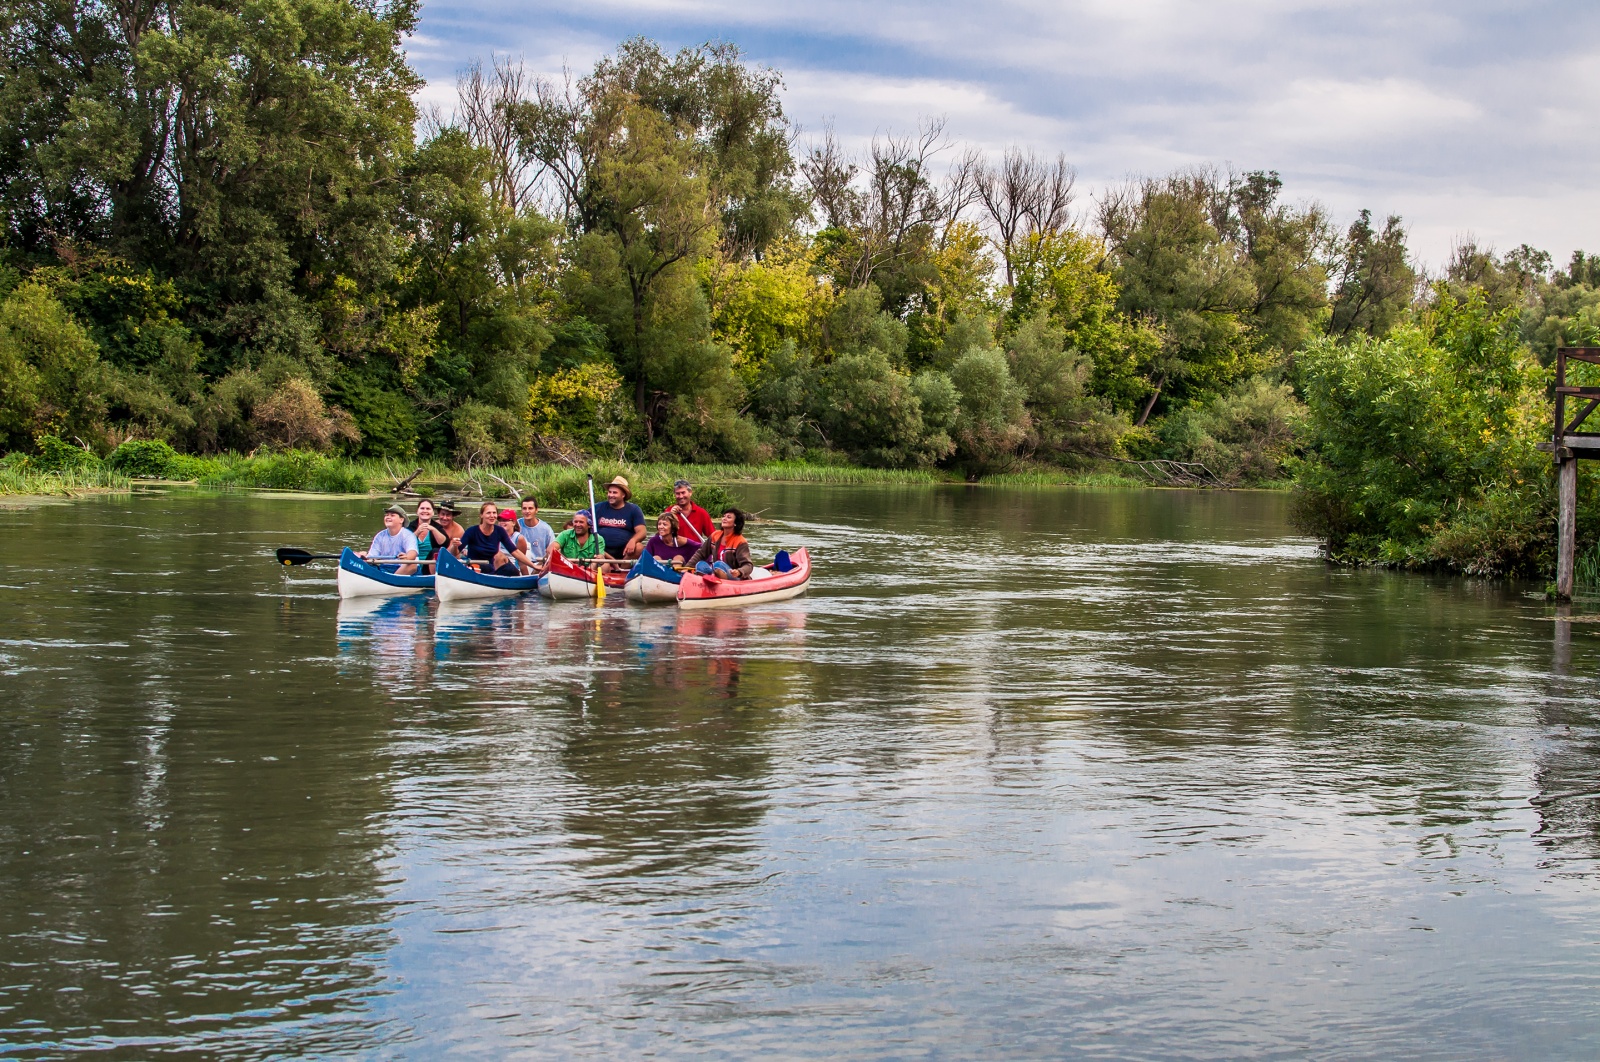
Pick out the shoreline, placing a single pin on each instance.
(555, 483)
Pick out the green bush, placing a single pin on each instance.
(1421, 447)
(871, 409)
(58, 455)
(1245, 435)
(145, 459)
(51, 378)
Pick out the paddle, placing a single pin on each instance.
(289, 555)
(599, 579)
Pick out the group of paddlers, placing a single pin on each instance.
(504, 542)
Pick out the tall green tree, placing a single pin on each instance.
(247, 150)
(1373, 279)
(1180, 278)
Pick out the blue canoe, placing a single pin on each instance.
(357, 578)
(650, 581)
(458, 581)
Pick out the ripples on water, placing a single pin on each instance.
(1026, 775)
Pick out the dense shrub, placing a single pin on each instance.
(1422, 446)
(51, 379)
(289, 470)
(57, 455)
(1245, 435)
(145, 459)
(872, 410)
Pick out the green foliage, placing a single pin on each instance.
(1422, 444)
(145, 459)
(783, 397)
(1245, 435)
(1587, 569)
(51, 378)
(1064, 415)
(1179, 277)
(873, 410)
(990, 421)
(384, 417)
(1374, 282)
(1065, 279)
(288, 470)
(55, 455)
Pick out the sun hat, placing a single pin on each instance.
(627, 492)
(507, 514)
(394, 509)
(448, 506)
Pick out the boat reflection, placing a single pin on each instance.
(391, 635)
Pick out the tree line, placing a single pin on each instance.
(228, 227)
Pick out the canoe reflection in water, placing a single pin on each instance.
(521, 647)
(392, 634)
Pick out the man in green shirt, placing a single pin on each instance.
(577, 542)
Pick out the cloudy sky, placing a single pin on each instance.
(1467, 118)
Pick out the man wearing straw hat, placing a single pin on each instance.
(619, 522)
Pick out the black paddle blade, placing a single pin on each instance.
(290, 555)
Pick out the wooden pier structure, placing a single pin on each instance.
(1570, 445)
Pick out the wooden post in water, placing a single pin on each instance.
(1566, 525)
(1568, 445)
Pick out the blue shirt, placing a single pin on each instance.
(391, 547)
(616, 526)
(539, 537)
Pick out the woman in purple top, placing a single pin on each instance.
(666, 545)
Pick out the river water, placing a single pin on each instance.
(1028, 774)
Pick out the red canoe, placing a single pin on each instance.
(566, 581)
(786, 577)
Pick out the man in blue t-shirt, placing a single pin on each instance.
(393, 543)
(620, 522)
(536, 531)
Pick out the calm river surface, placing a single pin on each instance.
(1157, 785)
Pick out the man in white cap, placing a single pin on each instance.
(620, 522)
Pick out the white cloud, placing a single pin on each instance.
(1457, 116)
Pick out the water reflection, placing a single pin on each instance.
(191, 850)
(1172, 787)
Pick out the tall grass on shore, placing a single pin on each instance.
(61, 468)
(65, 483)
(1587, 569)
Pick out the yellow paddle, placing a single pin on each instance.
(599, 574)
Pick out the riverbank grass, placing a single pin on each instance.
(62, 469)
(67, 483)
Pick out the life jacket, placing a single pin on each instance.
(726, 546)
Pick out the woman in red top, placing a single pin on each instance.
(726, 552)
